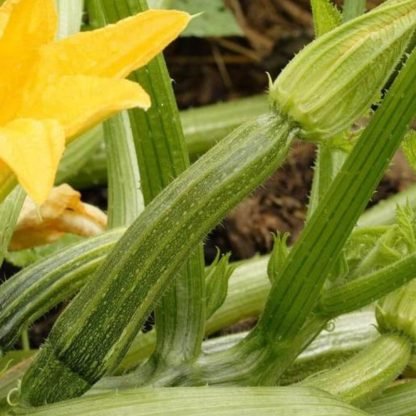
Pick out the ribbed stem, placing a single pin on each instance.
(399, 400)
(204, 401)
(38, 288)
(366, 289)
(9, 213)
(366, 374)
(125, 199)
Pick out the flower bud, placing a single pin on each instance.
(397, 311)
(336, 78)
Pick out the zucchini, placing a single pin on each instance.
(95, 331)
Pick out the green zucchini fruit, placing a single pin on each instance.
(95, 331)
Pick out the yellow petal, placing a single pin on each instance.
(14, 78)
(32, 150)
(115, 50)
(28, 24)
(5, 10)
(79, 102)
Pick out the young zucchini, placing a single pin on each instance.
(95, 331)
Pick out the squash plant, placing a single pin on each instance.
(95, 361)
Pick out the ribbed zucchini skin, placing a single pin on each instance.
(95, 331)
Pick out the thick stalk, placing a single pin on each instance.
(352, 332)
(125, 200)
(38, 288)
(366, 374)
(366, 289)
(204, 401)
(398, 400)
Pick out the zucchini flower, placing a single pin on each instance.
(331, 83)
(51, 91)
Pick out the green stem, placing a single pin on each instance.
(366, 374)
(9, 213)
(125, 200)
(301, 280)
(327, 165)
(36, 289)
(247, 290)
(366, 289)
(25, 340)
(398, 400)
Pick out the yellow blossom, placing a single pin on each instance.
(50, 91)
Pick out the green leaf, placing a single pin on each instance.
(325, 16)
(215, 20)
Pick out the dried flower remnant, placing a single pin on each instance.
(63, 212)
